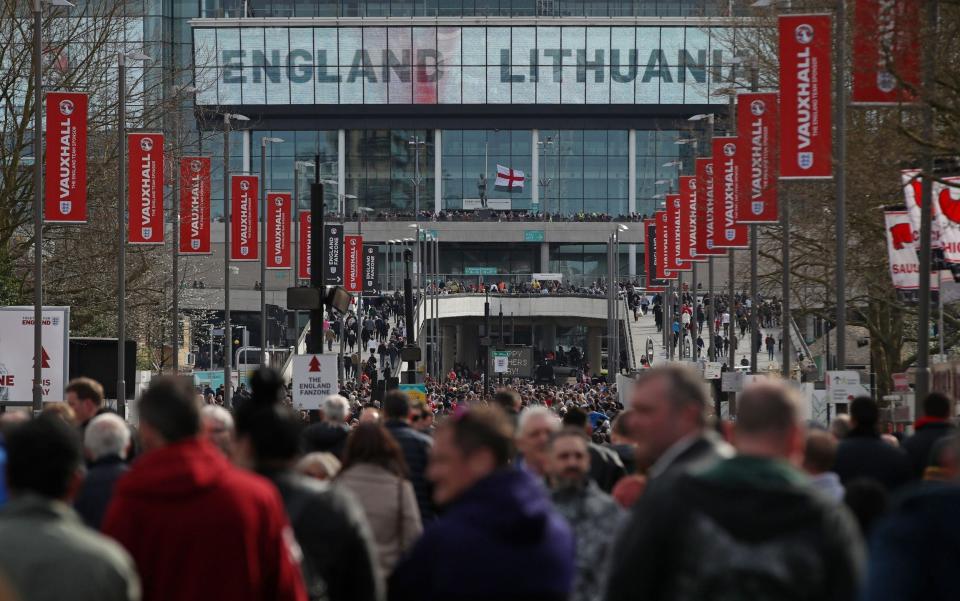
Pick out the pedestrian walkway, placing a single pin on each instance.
(641, 331)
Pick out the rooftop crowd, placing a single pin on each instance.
(536, 493)
(489, 216)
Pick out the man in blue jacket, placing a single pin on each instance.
(499, 538)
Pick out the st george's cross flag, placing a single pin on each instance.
(509, 179)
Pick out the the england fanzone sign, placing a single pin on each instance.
(16, 354)
(314, 378)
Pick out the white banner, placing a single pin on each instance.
(16, 354)
(904, 263)
(912, 198)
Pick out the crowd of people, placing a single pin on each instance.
(533, 492)
(481, 215)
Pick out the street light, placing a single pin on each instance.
(38, 200)
(227, 333)
(121, 223)
(175, 220)
(264, 142)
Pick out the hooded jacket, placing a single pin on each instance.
(199, 528)
(748, 528)
(500, 540)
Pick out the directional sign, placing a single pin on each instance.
(712, 371)
(844, 386)
(314, 378)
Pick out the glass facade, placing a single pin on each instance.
(588, 172)
(304, 146)
(582, 264)
(467, 154)
(470, 8)
(657, 153)
(461, 65)
(381, 166)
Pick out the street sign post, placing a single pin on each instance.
(844, 386)
(314, 377)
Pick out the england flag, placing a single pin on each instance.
(509, 179)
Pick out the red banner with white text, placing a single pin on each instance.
(757, 123)
(145, 188)
(729, 233)
(279, 209)
(886, 51)
(303, 246)
(195, 206)
(805, 97)
(663, 240)
(675, 225)
(689, 197)
(66, 158)
(706, 223)
(353, 263)
(244, 217)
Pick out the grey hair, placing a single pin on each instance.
(106, 434)
(219, 415)
(533, 412)
(335, 409)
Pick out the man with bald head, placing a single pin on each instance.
(747, 527)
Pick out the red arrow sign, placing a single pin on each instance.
(314, 364)
(44, 359)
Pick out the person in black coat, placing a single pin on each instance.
(339, 555)
(329, 435)
(106, 440)
(930, 428)
(416, 449)
(863, 454)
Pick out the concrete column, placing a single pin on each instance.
(449, 340)
(632, 260)
(594, 348)
(437, 171)
(535, 171)
(549, 339)
(544, 257)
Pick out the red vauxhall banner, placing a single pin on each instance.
(66, 158)
(145, 188)
(757, 126)
(886, 51)
(805, 97)
(353, 263)
(195, 206)
(303, 246)
(279, 208)
(675, 227)
(689, 196)
(705, 209)
(729, 233)
(662, 241)
(244, 237)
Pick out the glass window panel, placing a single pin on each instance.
(474, 46)
(498, 40)
(474, 84)
(448, 46)
(350, 43)
(277, 45)
(671, 88)
(524, 42)
(253, 87)
(375, 43)
(251, 43)
(697, 72)
(351, 92)
(617, 142)
(548, 90)
(721, 51)
(277, 85)
(498, 91)
(449, 85)
(648, 48)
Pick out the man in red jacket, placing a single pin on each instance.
(197, 527)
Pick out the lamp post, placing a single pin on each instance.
(711, 316)
(227, 333)
(175, 220)
(545, 180)
(264, 142)
(121, 224)
(38, 200)
(417, 142)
